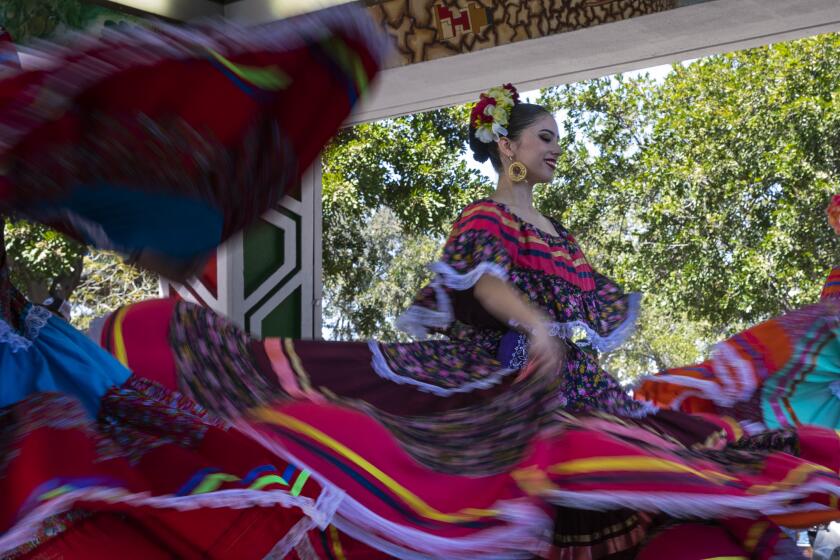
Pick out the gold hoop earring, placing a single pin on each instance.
(517, 171)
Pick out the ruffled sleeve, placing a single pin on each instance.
(476, 246)
(611, 317)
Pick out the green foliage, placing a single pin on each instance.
(30, 19)
(42, 260)
(390, 191)
(380, 278)
(44, 263)
(663, 339)
(706, 191)
(106, 284)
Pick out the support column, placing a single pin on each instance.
(268, 279)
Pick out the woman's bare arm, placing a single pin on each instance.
(510, 306)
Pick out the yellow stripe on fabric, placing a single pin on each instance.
(336, 544)
(641, 464)
(526, 238)
(576, 263)
(505, 218)
(297, 365)
(56, 492)
(274, 417)
(348, 60)
(754, 535)
(270, 78)
(533, 480)
(737, 430)
(493, 210)
(119, 342)
(794, 478)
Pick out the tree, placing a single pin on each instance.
(363, 300)
(663, 339)
(29, 19)
(106, 284)
(390, 191)
(706, 190)
(43, 263)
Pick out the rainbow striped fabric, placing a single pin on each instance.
(831, 288)
(782, 373)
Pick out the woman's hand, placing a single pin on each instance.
(546, 354)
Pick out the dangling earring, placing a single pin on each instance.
(517, 171)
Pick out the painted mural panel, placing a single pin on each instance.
(429, 29)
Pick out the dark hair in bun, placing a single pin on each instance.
(521, 117)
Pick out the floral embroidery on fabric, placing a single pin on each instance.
(506, 424)
(49, 529)
(35, 319)
(477, 440)
(440, 367)
(587, 387)
(15, 341)
(520, 353)
(786, 441)
(551, 271)
(214, 362)
(40, 410)
(141, 415)
(466, 250)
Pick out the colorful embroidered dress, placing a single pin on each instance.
(442, 454)
(554, 275)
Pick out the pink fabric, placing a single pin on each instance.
(145, 332)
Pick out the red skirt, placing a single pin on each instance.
(153, 470)
(323, 405)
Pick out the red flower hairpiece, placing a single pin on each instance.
(491, 114)
(513, 92)
(478, 116)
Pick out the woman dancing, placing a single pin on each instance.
(501, 437)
